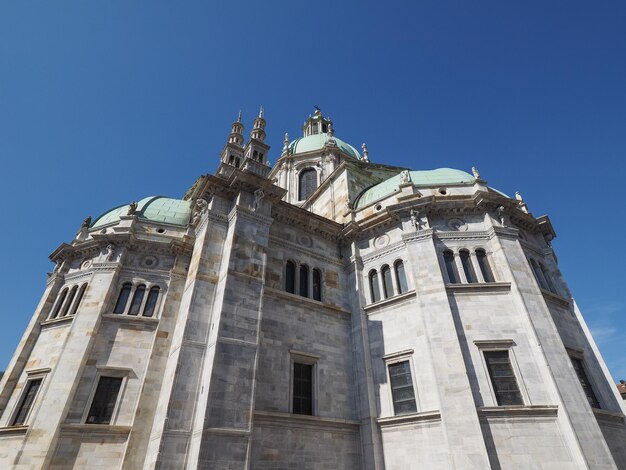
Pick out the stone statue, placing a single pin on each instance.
(258, 195)
(415, 219)
(199, 208)
(366, 157)
(57, 266)
(475, 173)
(132, 208)
(501, 213)
(405, 177)
(86, 223)
(110, 252)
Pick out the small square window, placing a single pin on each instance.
(104, 400)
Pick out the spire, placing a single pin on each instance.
(475, 173)
(261, 112)
(366, 157)
(258, 127)
(239, 116)
(236, 132)
(286, 144)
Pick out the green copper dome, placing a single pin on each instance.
(314, 142)
(438, 177)
(155, 208)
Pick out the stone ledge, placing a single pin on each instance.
(557, 299)
(57, 321)
(390, 301)
(482, 288)
(298, 298)
(403, 420)
(135, 320)
(277, 418)
(608, 416)
(95, 429)
(516, 412)
(13, 430)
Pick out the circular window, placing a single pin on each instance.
(379, 207)
(150, 261)
(443, 191)
(160, 230)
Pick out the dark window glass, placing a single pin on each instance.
(290, 277)
(59, 303)
(503, 378)
(483, 264)
(448, 259)
(317, 284)
(135, 305)
(401, 277)
(547, 277)
(104, 400)
(28, 398)
(79, 298)
(122, 300)
(153, 295)
(466, 262)
(584, 382)
(387, 282)
(538, 275)
(402, 388)
(374, 288)
(307, 183)
(314, 128)
(302, 388)
(304, 281)
(231, 159)
(68, 301)
(324, 128)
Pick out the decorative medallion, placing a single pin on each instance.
(305, 240)
(457, 225)
(150, 261)
(382, 241)
(86, 264)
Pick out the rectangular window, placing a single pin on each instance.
(503, 378)
(584, 382)
(402, 391)
(104, 400)
(302, 388)
(26, 402)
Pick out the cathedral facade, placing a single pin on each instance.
(326, 312)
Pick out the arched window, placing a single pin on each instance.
(307, 182)
(122, 299)
(304, 280)
(483, 264)
(448, 259)
(400, 277)
(538, 275)
(153, 295)
(290, 277)
(59, 304)
(68, 301)
(387, 282)
(317, 284)
(231, 159)
(468, 269)
(374, 288)
(135, 304)
(79, 298)
(547, 277)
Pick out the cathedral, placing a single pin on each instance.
(325, 312)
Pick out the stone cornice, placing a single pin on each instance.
(288, 420)
(393, 248)
(479, 288)
(325, 307)
(518, 412)
(409, 419)
(372, 309)
(418, 236)
(312, 223)
(306, 251)
(103, 430)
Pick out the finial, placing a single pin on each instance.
(365, 153)
(261, 112)
(331, 131)
(239, 116)
(520, 202)
(317, 110)
(86, 223)
(475, 173)
(518, 196)
(286, 144)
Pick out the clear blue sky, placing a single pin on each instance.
(102, 103)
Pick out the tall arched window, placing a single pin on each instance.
(317, 284)
(374, 288)
(387, 282)
(59, 304)
(307, 182)
(547, 277)
(483, 264)
(68, 301)
(538, 275)
(153, 295)
(79, 298)
(468, 269)
(304, 280)
(122, 299)
(400, 277)
(135, 304)
(448, 259)
(290, 277)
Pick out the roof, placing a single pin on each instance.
(438, 177)
(314, 142)
(154, 208)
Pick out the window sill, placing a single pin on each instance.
(550, 296)
(99, 429)
(403, 420)
(277, 418)
(482, 287)
(132, 319)
(389, 301)
(57, 321)
(608, 416)
(13, 430)
(519, 411)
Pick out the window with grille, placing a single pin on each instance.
(503, 378)
(104, 400)
(307, 183)
(402, 392)
(302, 388)
(584, 382)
